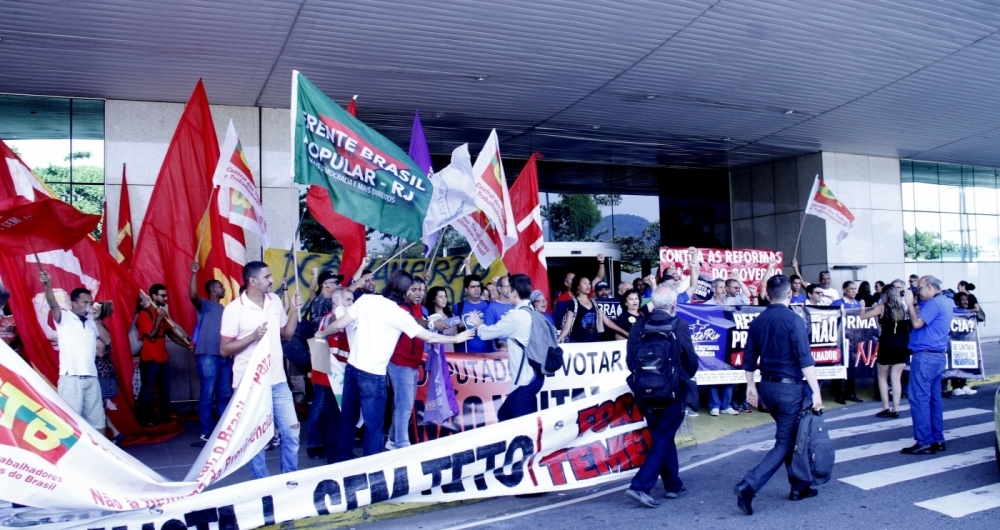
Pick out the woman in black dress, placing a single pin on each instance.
(893, 343)
(631, 315)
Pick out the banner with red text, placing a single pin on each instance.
(749, 265)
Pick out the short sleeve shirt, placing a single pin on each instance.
(77, 340)
(475, 344)
(380, 322)
(241, 318)
(847, 304)
(934, 334)
(154, 341)
(209, 323)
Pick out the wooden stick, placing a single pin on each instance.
(400, 253)
(298, 289)
(173, 325)
(204, 227)
(434, 253)
(799, 238)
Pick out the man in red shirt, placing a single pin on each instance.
(402, 369)
(154, 367)
(321, 440)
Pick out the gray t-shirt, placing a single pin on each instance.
(209, 326)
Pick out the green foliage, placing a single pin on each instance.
(87, 191)
(572, 218)
(635, 249)
(926, 245)
(608, 200)
(77, 155)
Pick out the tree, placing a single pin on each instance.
(635, 249)
(572, 218)
(608, 200)
(926, 245)
(86, 193)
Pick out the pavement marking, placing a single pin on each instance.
(862, 414)
(587, 497)
(894, 446)
(966, 502)
(933, 466)
(901, 422)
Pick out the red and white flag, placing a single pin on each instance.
(823, 203)
(239, 200)
(124, 244)
(492, 196)
(528, 255)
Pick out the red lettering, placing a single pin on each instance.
(553, 463)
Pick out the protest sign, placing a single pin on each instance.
(748, 265)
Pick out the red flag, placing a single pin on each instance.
(350, 234)
(528, 254)
(28, 227)
(105, 235)
(169, 233)
(85, 264)
(124, 243)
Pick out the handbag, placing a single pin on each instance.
(106, 375)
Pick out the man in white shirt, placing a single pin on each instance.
(80, 343)
(380, 322)
(257, 315)
(515, 328)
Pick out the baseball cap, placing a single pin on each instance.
(601, 285)
(329, 275)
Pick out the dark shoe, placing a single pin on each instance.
(892, 414)
(884, 413)
(642, 498)
(117, 440)
(802, 494)
(840, 400)
(675, 494)
(855, 399)
(316, 453)
(744, 497)
(938, 447)
(917, 449)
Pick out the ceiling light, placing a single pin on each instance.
(651, 96)
(438, 115)
(595, 127)
(482, 77)
(727, 139)
(789, 112)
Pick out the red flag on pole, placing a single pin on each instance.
(350, 234)
(105, 235)
(168, 237)
(124, 244)
(528, 254)
(28, 227)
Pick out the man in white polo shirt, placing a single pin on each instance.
(380, 322)
(79, 345)
(256, 315)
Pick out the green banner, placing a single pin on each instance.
(370, 179)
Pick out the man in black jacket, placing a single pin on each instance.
(777, 337)
(663, 417)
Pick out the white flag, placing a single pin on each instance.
(238, 196)
(454, 195)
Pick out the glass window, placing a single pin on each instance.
(954, 237)
(949, 187)
(910, 250)
(984, 189)
(987, 238)
(927, 236)
(925, 187)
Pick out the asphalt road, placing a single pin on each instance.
(874, 486)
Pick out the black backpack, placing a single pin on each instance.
(814, 454)
(657, 372)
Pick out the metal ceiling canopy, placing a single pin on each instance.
(676, 83)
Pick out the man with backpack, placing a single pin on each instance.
(661, 358)
(518, 327)
(778, 339)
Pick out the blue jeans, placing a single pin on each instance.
(784, 402)
(364, 396)
(287, 424)
(215, 373)
(715, 401)
(924, 390)
(522, 401)
(404, 389)
(315, 433)
(661, 460)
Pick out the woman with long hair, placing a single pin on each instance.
(437, 303)
(584, 322)
(630, 314)
(865, 294)
(893, 351)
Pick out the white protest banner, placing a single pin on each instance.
(749, 265)
(583, 443)
(50, 457)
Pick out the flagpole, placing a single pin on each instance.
(812, 193)
(436, 248)
(394, 256)
(204, 226)
(288, 260)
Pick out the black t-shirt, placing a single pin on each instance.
(626, 321)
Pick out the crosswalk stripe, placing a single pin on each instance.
(894, 446)
(893, 475)
(966, 502)
(863, 414)
(901, 422)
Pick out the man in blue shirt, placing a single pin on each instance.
(215, 372)
(843, 392)
(931, 320)
(473, 303)
(777, 337)
(849, 300)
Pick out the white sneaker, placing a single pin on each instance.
(731, 411)
(691, 413)
(958, 392)
(968, 391)
(713, 412)
(389, 446)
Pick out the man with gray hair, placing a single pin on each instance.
(666, 333)
(931, 321)
(778, 339)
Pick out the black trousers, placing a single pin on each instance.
(154, 395)
(784, 402)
